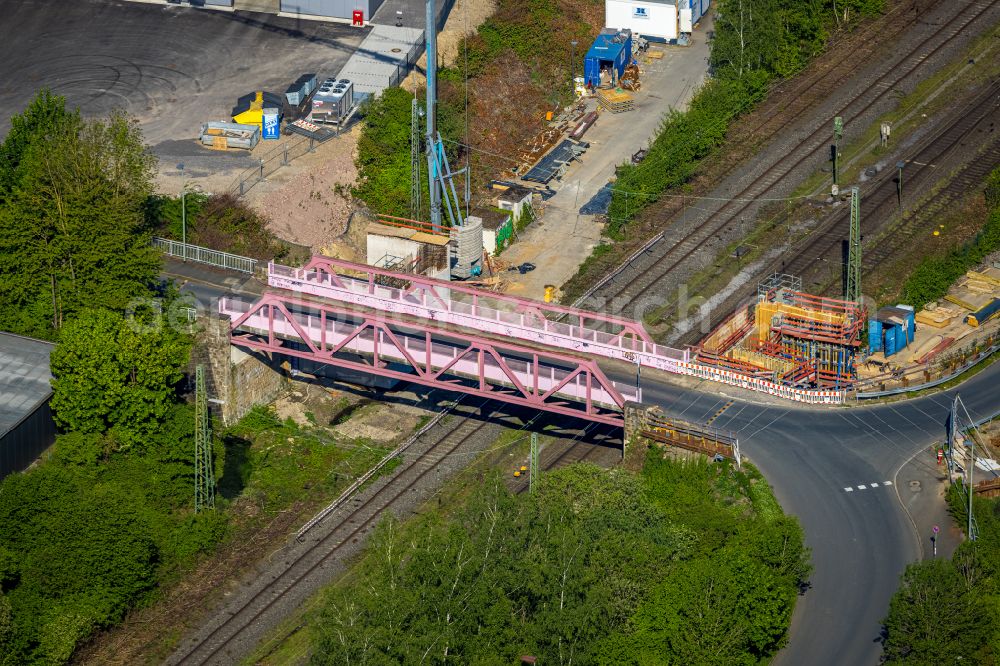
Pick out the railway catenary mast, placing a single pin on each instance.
(432, 166)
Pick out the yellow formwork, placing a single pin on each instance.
(762, 360)
(766, 311)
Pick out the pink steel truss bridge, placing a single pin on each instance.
(479, 310)
(414, 351)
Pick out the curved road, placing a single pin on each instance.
(861, 541)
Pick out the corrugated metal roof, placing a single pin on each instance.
(24, 377)
(608, 46)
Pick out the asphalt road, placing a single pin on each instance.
(861, 540)
(172, 67)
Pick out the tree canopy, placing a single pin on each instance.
(115, 373)
(72, 230)
(948, 611)
(597, 567)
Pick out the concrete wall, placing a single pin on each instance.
(380, 246)
(340, 9)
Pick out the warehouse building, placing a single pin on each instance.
(344, 10)
(26, 425)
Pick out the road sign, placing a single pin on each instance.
(271, 126)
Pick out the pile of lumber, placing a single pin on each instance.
(615, 101)
(630, 78)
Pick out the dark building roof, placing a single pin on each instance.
(25, 379)
(492, 218)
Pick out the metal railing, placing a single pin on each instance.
(204, 255)
(271, 161)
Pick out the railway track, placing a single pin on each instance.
(946, 148)
(235, 630)
(931, 160)
(650, 267)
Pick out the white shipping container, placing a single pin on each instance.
(685, 21)
(656, 19)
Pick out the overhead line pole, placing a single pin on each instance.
(432, 166)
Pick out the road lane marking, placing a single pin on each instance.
(867, 486)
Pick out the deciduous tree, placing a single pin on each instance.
(115, 374)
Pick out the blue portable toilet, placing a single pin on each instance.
(891, 340)
(612, 49)
(874, 336)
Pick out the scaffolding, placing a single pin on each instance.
(800, 339)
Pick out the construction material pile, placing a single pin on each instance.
(630, 78)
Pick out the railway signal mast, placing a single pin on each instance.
(853, 291)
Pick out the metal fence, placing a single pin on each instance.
(204, 255)
(271, 161)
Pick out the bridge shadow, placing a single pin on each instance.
(552, 425)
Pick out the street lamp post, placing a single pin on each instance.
(572, 69)
(184, 191)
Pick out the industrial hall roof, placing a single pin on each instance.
(25, 379)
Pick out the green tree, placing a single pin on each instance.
(72, 229)
(935, 616)
(84, 555)
(45, 116)
(115, 374)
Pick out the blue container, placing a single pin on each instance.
(901, 340)
(875, 336)
(611, 49)
(890, 341)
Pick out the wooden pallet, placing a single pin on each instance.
(615, 101)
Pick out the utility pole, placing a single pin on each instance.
(972, 466)
(838, 133)
(204, 475)
(533, 471)
(899, 184)
(952, 431)
(853, 291)
(415, 160)
(432, 170)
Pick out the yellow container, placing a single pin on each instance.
(550, 292)
(548, 115)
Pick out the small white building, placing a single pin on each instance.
(653, 19)
(408, 250)
(516, 199)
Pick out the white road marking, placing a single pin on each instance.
(866, 486)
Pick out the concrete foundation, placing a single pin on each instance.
(237, 381)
